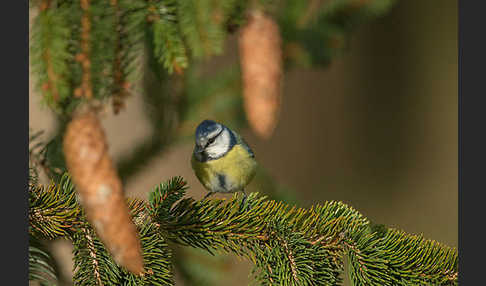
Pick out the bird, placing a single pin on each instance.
(222, 161)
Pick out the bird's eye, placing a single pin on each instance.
(211, 140)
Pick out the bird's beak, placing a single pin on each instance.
(198, 149)
(199, 153)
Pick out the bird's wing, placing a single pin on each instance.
(242, 142)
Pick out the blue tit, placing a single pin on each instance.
(222, 160)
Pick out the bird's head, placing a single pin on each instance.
(213, 140)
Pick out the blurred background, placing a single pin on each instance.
(376, 129)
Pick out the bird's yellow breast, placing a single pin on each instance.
(229, 173)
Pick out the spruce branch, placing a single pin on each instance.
(49, 53)
(288, 245)
(86, 49)
(101, 34)
(268, 231)
(401, 259)
(315, 31)
(118, 93)
(53, 211)
(129, 33)
(85, 89)
(89, 246)
(37, 157)
(132, 21)
(201, 24)
(90, 253)
(41, 266)
(169, 48)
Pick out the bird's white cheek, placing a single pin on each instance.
(220, 145)
(216, 151)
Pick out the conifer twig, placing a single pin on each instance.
(92, 253)
(290, 256)
(51, 75)
(120, 87)
(49, 52)
(84, 57)
(311, 242)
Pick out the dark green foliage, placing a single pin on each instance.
(54, 157)
(304, 246)
(289, 258)
(46, 156)
(74, 48)
(49, 55)
(201, 22)
(164, 196)
(236, 15)
(103, 46)
(92, 263)
(287, 245)
(37, 158)
(169, 48)
(41, 266)
(53, 210)
(315, 32)
(401, 259)
(132, 22)
(158, 260)
(95, 266)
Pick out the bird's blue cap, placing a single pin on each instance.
(207, 127)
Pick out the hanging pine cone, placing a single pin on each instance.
(100, 190)
(261, 67)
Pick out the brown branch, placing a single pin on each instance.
(92, 253)
(85, 89)
(319, 240)
(39, 162)
(290, 256)
(262, 237)
(36, 215)
(452, 276)
(51, 77)
(46, 218)
(120, 87)
(51, 74)
(271, 272)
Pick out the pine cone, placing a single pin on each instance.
(261, 67)
(100, 190)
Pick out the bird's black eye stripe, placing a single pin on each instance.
(211, 140)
